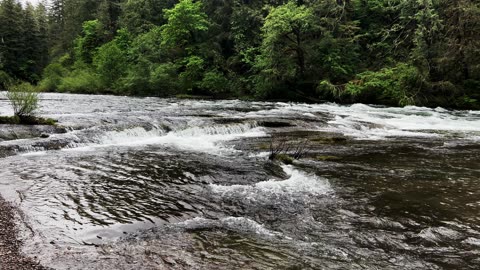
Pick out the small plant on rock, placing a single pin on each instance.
(287, 151)
(24, 100)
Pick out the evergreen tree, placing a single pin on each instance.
(11, 40)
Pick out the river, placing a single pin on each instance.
(149, 183)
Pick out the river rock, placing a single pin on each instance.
(16, 132)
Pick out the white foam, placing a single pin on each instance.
(203, 139)
(33, 154)
(367, 122)
(299, 183)
(472, 241)
(309, 115)
(128, 136)
(368, 131)
(240, 224)
(259, 155)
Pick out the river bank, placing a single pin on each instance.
(11, 257)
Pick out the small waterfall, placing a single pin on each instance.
(226, 130)
(126, 136)
(204, 136)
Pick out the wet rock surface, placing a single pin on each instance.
(18, 132)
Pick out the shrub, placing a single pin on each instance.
(24, 99)
(80, 81)
(163, 79)
(52, 77)
(136, 79)
(214, 82)
(396, 86)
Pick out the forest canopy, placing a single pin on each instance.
(390, 52)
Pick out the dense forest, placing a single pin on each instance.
(391, 52)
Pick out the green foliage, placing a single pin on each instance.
(397, 86)
(5, 80)
(328, 91)
(285, 43)
(86, 45)
(24, 99)
(23, 35)
(194, 68)
(214, 82)
(148, 46)
(110, 62)
(140, 16)
(163, 79)
(185, 22)
(393, 52)
(52, 77)
(81, 81)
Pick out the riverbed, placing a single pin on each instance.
(149, 183)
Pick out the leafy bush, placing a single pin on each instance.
(214, 82)
(52, 77)
(136, 80)
(397, 86)
(24, 99)
(163, 79)
(80, 81)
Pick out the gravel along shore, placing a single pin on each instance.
(11, 257)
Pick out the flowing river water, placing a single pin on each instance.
(148, 183)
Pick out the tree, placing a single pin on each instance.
(30, 55)
(140, 16)
(461, 55)
(185, 22)
(56, 28)
(287, 38)
(87, 44)
(108, 14)
(181, 35)
(110, 61)
(11, 37)
(42, 47)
